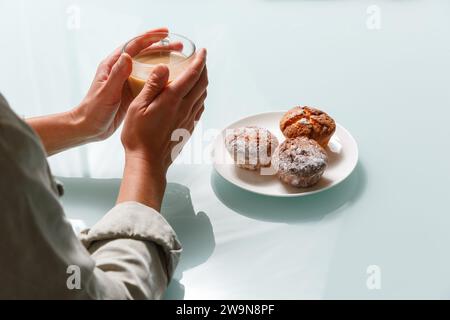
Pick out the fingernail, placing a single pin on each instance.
(160, 70)
(121, 59)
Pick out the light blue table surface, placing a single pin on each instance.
(389, 86)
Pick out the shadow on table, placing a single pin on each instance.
(290, 210)
(89, 199)
(194, 231)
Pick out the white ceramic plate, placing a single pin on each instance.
(342, 155)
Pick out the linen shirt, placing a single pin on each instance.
(131, 253)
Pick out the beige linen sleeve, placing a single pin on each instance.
(130, 254)
(134, 245)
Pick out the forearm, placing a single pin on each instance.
(142, 182)
(60, 131)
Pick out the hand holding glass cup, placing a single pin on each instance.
(173, 50)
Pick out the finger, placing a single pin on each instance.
(119, 74)
(192, 116)
(124, 105)
(135, 46)
(199, 88)
(156, 47)
(198, 105)
(186, 81)
(199, 113)
(157, 30)
(141, 40)
(155, 83)
(194, 122)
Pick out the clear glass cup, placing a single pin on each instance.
(174, 50)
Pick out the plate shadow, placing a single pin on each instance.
(311, 208)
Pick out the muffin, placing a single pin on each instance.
(251, 147)
(308, 122)
(300, 162)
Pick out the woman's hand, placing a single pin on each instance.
(107, 101)
(152, 117)
(103, 109)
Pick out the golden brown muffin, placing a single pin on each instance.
(308, 122)
(300, 162)
(251, 147)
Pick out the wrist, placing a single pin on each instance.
(146, 166)
(60, 131)
(143, 182)
(84, 127)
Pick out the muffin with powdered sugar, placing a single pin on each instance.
(251, 147)
(300, 162)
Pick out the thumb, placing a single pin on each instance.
(155, 83)
(119, 74)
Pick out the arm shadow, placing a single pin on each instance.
(194, 231)
(89, 199)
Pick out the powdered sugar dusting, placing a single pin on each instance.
(251, 145)
(300, 156)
